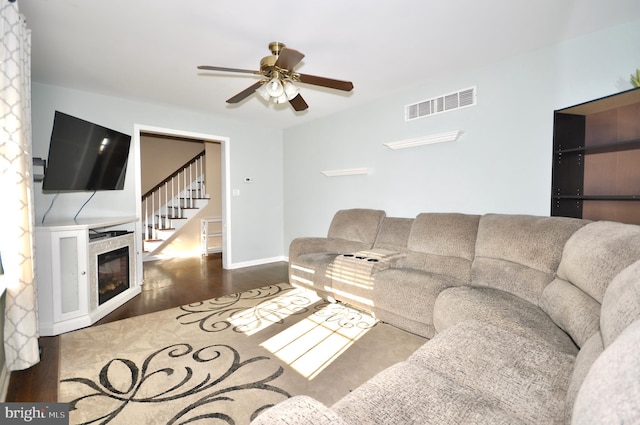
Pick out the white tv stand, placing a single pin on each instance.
(67, 270)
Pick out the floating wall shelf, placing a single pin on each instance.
(449, 136)
(347, 172)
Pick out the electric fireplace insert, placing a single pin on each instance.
(113, 274)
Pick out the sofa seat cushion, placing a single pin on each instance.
(416, 326)
(504, 310)
(409, 294)
(310, 258)
(311, 271)
(527, 379)
(407, 393)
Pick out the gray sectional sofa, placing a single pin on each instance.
(530, 320)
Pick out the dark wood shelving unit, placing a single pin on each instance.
(600, 197)
(596, 159)
(612, 147)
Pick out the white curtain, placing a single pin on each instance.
(16, 208)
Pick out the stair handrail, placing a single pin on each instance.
(174, 174)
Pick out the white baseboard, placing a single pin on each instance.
(5, 375)
(257, 262)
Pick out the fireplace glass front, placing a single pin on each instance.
(113, 274)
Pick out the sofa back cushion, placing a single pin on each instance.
(611, 390)
(621, 303)
(519, 254)
(571, 309)
(591, 259)
(597, 253)
(443, 243)
(620, 309)
(359, 225)
(394, 234)
(587, 355)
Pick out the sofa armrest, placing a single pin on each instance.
(299, 410)
(375, 259)
(387, 259)
(308, 245)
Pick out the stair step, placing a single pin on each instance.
(171, 218)
(193, 202)
(151, 244)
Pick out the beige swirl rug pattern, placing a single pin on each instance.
(225, 360)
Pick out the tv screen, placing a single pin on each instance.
(84, 156)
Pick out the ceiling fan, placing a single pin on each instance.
(279, 76)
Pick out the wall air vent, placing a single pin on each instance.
(440, 104)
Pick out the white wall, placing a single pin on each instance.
(254, 151)
(502, 162)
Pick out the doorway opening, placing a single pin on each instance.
(217, 185)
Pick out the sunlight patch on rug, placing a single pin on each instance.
(275, 310)
(224, 360)
(314, 343)
(250, 311)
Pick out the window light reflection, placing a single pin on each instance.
(312, 344)
(275, 310)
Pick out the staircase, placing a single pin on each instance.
(172, 203)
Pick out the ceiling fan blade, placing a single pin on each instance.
(288, 58)
(221, 68)
(298, 103)
(326, 82)
(245, 93)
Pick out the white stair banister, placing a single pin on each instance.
(165, 203)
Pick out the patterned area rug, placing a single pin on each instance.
(225, 360)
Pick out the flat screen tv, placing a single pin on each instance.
(84, 156)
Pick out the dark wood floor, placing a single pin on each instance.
(167, 283)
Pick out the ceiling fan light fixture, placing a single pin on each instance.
(277, 77)
(290, 90)
(274, 88)
(262, 91)
(281, 99)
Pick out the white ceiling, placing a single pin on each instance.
(148, 50)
